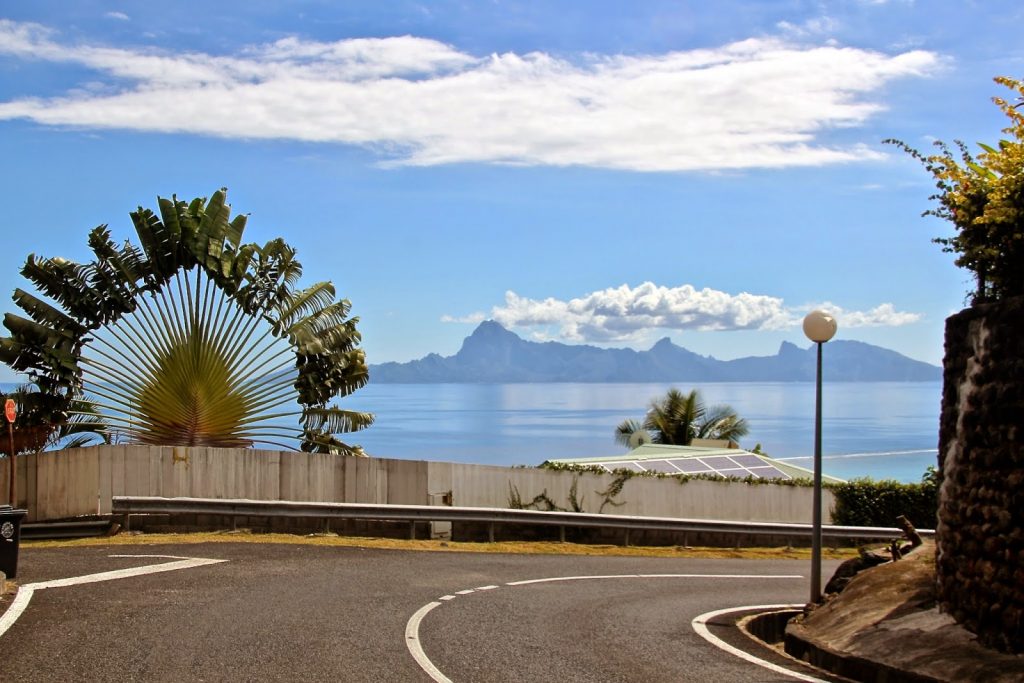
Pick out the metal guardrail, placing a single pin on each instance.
(74, 529)
(138, 505)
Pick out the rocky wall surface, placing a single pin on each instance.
(980, 542)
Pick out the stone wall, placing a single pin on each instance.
(980, 558)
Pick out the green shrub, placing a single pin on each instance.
(866, 502)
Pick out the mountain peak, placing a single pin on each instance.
(490, 328)
(490, 341)
(789, 348)
(493, 353)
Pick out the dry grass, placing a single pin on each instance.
(512, 547)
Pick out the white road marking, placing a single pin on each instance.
(412, 628)
(24, 594)
(700, 626)
(126, 573)
(658, 576)
(412, 641)
(18, 605)
(169, 557)
(572, 578)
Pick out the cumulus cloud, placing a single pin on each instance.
(474, 318)
(812, 26)
(758, 103)
(621, 314)
(625, 313)
(883, 315)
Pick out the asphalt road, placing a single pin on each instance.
(309, 613)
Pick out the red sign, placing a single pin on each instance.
(10, 410)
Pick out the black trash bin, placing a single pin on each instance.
(10, 539)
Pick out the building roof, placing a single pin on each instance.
(727, 462)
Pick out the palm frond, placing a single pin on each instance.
(194, 338)
(625, 430)
(678, 418)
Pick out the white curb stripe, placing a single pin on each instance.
(700, 626)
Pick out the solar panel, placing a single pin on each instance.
(748, 460)
(690, 465)
(719, 463)
(735, 474)
(659, 466)
(621, 466)
(769, 472)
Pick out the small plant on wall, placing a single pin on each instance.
(194, 339)
(983, 197)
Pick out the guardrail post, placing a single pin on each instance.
(625, 539)
(561, 534)
(490, 532)
(412, 530)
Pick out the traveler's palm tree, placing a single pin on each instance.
(194, 339)
(679, 418)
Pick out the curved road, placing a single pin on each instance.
(309, 613)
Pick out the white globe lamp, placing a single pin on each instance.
(819, 327)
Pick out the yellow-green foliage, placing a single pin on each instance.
(983, 197)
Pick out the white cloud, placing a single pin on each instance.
(472, 318)
(120, 16)
(625, 313)
(810, 27)
(759, 103)
(883, 315)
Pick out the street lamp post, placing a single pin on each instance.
(819, 328)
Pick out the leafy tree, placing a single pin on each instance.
(38, 428)
(196, 338)
(679, 418)
(983, 198)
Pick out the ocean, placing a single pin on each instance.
(883, 430)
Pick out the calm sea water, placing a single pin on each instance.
(884, 430)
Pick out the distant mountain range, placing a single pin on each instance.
(493, 354)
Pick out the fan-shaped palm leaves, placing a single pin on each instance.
(194, 339)
(679, 418)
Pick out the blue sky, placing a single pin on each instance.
(589, 172)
